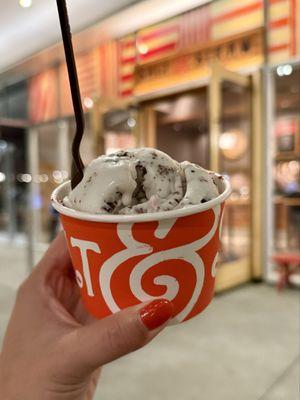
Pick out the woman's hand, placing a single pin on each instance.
(53, 349)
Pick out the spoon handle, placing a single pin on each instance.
(77, 164)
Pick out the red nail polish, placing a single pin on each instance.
(156, 313)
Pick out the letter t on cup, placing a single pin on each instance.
(84, 246)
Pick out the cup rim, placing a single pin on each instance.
(146, 217)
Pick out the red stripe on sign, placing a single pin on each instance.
(127, 92)
(278, 47)
(158, 50)
(238, 12)
(158, 33)
(194, 27)
(293, 7)
(127, 60)
(279, 23)
(127, 77)
(127, 45)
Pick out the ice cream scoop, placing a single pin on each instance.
(142, 180)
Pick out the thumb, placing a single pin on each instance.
(119, 334)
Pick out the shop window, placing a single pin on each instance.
(286, 167)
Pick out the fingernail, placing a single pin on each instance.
(156, 313)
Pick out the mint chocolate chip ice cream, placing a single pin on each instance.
(142, 180)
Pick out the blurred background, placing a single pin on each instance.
(213, 82)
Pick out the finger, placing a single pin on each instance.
(57, 256)
(92, 386)
(117, 335)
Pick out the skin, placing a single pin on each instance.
(53, 350)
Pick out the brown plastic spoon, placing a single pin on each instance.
(77, 164)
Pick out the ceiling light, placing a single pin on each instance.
(143, 48)
(284, 70)
(2, 177)
(26, 178)
(131, 122)
(88, 102)
(25, 3)
(227, 141)
(280, 71)
(287, 69)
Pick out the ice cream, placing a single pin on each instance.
(142, 180)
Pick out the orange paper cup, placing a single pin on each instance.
(123, 260)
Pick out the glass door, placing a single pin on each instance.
(230, 121)
(177, 125)
(217, 125)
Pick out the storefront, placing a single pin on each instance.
(192, 107)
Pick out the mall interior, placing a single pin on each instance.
(213, 82)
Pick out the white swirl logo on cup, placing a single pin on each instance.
(122, 263)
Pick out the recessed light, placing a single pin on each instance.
(25, 3)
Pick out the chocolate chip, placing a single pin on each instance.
(123, 154)
(163, 170)
(109, 206)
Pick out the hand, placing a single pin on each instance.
(53, 349)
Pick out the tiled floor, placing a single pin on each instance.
(245, 346)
